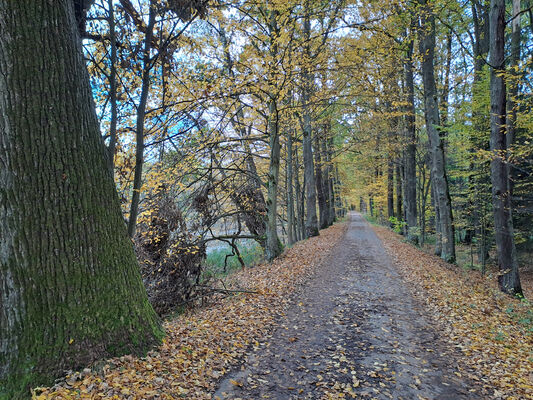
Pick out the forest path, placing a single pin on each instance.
(354, 331)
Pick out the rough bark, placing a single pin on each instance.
(436, 146)
(508, 279)
(139, 129)
(70, 288)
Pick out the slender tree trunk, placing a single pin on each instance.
(290, 193)
(112, 87)
(480, 128)
(399, 200)
(438, 231)
(333, 199)
(390, 189)
(141, 112)
(330, 209)
(436, 146)
(273, 245)
(410, 149)
(338, 199)
(70, 288)
(508, 279)
(320, 184)
(299, 197)
(445, 101)
(514, 59)
(311, 221)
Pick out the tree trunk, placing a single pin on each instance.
(438, 232)
(328, 187)
(410, 149)
(480, 127)
(508, 279)
(390, 189)
(299, 198)
(338, 200)
(250, 200)
(445, 98)
(320, 184)
(311, 221)
(436, 146)
(70, 288)
(514, 60)
(399, 200)
(273, 245)
(290, 193)
(112, 88)
(141, 112)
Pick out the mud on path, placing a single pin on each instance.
(354, 331)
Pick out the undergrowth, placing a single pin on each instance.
(221, 261)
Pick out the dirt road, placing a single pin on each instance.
(353, 331)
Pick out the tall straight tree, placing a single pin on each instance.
(273, 244)
(311, 220)
(508, 279)
(436, 146)
(141, 114)
(514, 61)
(70, 288)
(291, 221)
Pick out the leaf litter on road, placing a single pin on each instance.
(205, 343)
(493, 331)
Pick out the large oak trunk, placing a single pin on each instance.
(70, 287)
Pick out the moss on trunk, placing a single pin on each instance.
(70, 287)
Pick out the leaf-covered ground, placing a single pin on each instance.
(355, 332)
(202, 345)
(493, 331)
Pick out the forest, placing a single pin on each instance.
(176, 176)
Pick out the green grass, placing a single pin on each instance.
(371, 219)
(251, 254)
